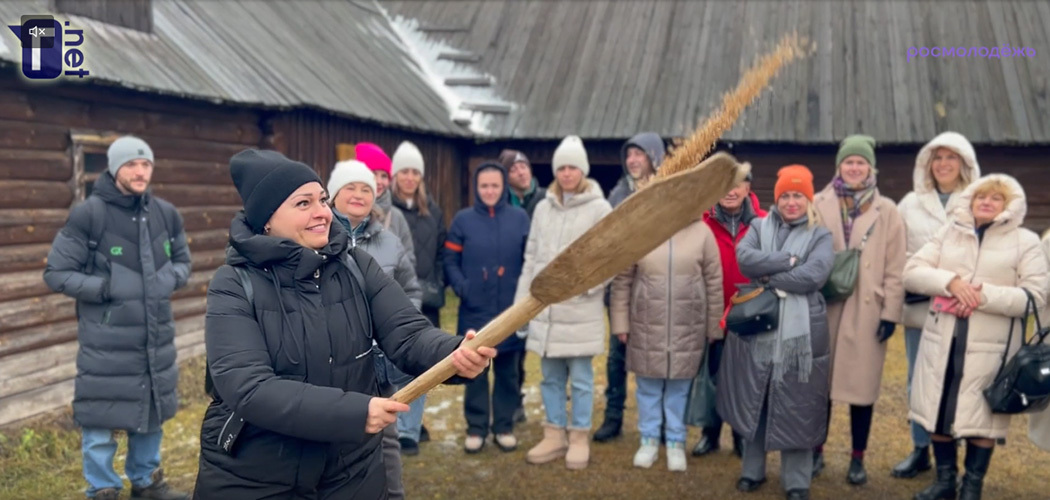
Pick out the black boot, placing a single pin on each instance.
(976, 462)
(707, 444)
(856, 475)
(918, 461)
(610, 429)
(943, 488)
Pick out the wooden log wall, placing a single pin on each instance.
(192, 144)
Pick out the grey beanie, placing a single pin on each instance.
(126, 149)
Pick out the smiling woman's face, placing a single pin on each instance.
(304, 217)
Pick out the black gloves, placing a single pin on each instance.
(886, 329)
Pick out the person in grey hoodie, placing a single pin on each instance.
(641, 156)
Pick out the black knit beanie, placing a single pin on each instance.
(264, 180)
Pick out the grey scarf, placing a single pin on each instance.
(789, 345)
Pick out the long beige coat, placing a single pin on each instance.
(921, 209)
(1039, 423)
(857, 355)
(669, 304)
(575, 327)
(1006, 263)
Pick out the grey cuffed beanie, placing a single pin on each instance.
(126, 149)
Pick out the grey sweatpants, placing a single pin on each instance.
(796, 466)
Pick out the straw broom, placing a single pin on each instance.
(685, 187)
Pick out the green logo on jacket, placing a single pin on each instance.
(167, 248)
(116, 251)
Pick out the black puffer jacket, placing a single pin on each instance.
(126, 370)
(296, 365)
(428, 237)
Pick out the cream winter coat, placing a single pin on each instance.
(857, 356)
(1008, 262)
(1039, 423)
(575, 327)
(922, 211)
(670, 303)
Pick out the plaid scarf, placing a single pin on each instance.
(853, 201)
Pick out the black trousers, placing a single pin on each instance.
(616, 375)
(496, 410)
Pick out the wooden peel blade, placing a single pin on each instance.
(640, 224)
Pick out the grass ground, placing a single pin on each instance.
(41, 460)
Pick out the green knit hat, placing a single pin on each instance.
(861, 145)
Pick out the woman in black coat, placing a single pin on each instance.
(295, 410)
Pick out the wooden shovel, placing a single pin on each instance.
(640, 224)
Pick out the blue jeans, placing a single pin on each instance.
(662, 401)
(919, 436)
(579, 373)
(410, 423)
(98, 449)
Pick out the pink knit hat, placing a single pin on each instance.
(372, 156)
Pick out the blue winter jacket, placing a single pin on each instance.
(483, 257)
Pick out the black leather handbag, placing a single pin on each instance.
(1023, 384)
(753, 309)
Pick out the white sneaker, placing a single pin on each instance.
(676, 457)
(506, 442)
(646, 455)
(473, 444)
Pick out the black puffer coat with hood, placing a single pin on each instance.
(296, 364)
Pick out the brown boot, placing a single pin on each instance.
(579, 449)
(552, 446)
(157, 490)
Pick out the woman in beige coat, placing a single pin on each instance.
(665, 308)
(1039, 423)
(859, 217)
(943, 169)
(986, 262)
(569, 334)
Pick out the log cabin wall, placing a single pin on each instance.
(52, 143)
(313, 137)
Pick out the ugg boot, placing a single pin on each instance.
(943, 487)
(553, 446)
(579, 449)
(977, 461)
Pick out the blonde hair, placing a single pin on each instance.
(965, 171)
(584, 185)
(419, 198)
(993, 186)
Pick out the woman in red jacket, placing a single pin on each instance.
(729, 221)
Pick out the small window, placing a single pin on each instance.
(89, 161)
(95, 163)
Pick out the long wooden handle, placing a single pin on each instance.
(503, 326)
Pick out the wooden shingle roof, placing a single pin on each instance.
(611, 68)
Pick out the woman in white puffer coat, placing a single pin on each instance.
(944, 167)
(987, 266)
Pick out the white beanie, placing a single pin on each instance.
(571, 152)
(407, 155)
(349, 171)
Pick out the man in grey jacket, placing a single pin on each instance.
(641, 157)
(121, 255)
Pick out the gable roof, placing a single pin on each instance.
(608, 68)
(340, 57)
